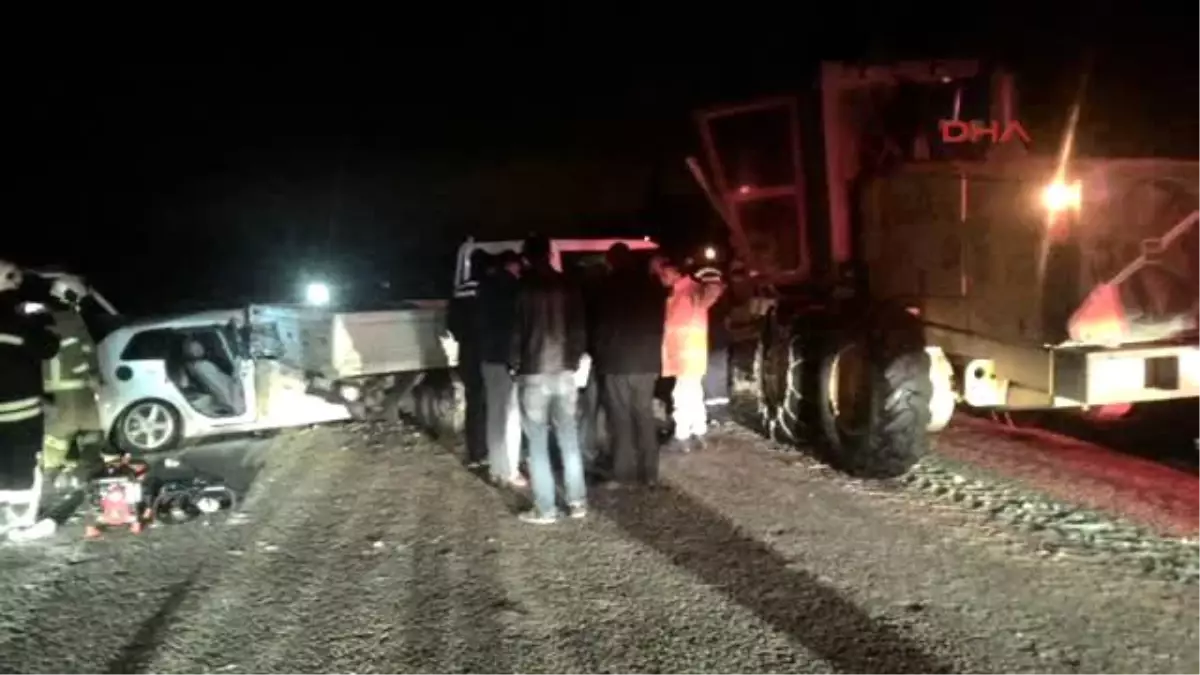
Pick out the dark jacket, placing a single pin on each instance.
(24, 343)
(627, 334)
(549, 334)
(494, 313)
(461, 321)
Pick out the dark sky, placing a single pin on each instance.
(212, 163)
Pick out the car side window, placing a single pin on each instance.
(149, 345)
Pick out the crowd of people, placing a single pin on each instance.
(533, 337)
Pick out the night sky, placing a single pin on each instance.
(214, 166)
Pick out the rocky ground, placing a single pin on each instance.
(370, 549)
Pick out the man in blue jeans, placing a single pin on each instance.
(548, 341)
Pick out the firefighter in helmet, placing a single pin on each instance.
(25, 341)
(68, 378)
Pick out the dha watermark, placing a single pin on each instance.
(974, 131)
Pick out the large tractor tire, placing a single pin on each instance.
(779, 374)
(876, 396)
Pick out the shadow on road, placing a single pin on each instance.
(136, 655)
(463, 581)
(757, 577)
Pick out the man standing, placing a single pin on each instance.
(548, 343)
(463, 322)
(24, 344)
(685, 351)
(716, 379)
(628, 338)
(497, 304)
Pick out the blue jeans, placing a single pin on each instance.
(551, 399)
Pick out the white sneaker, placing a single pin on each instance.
(535, 517)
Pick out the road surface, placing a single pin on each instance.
(370, 549)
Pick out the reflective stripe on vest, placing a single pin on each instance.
(20, 410)
(10, 339)
(68, 369)
(56, 443)
(467, 290)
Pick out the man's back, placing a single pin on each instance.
(549, 330)
(629, 323)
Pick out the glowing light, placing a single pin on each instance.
(745, 190)
(710, 253)
(1060, 196)
(317, 293)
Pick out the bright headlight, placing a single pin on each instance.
(317, 294)
(1061, 196)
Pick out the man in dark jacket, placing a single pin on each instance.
(463, 322)
(627, 343)
(25, 342)
(548, 343)
(497, 304)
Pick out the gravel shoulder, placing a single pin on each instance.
(364, 549)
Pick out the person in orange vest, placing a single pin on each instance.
(685, 351)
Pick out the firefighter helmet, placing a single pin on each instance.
(10, 276)
(708, 275)
(68, 290)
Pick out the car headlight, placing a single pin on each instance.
(350, 392)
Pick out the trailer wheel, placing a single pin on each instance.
(441, 403)
(878, 393)
(778, 379)
(943, 399)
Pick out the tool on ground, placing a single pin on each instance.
(118, 497)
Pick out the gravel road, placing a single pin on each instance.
(368, 549)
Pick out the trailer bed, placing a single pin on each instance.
(342, 345)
